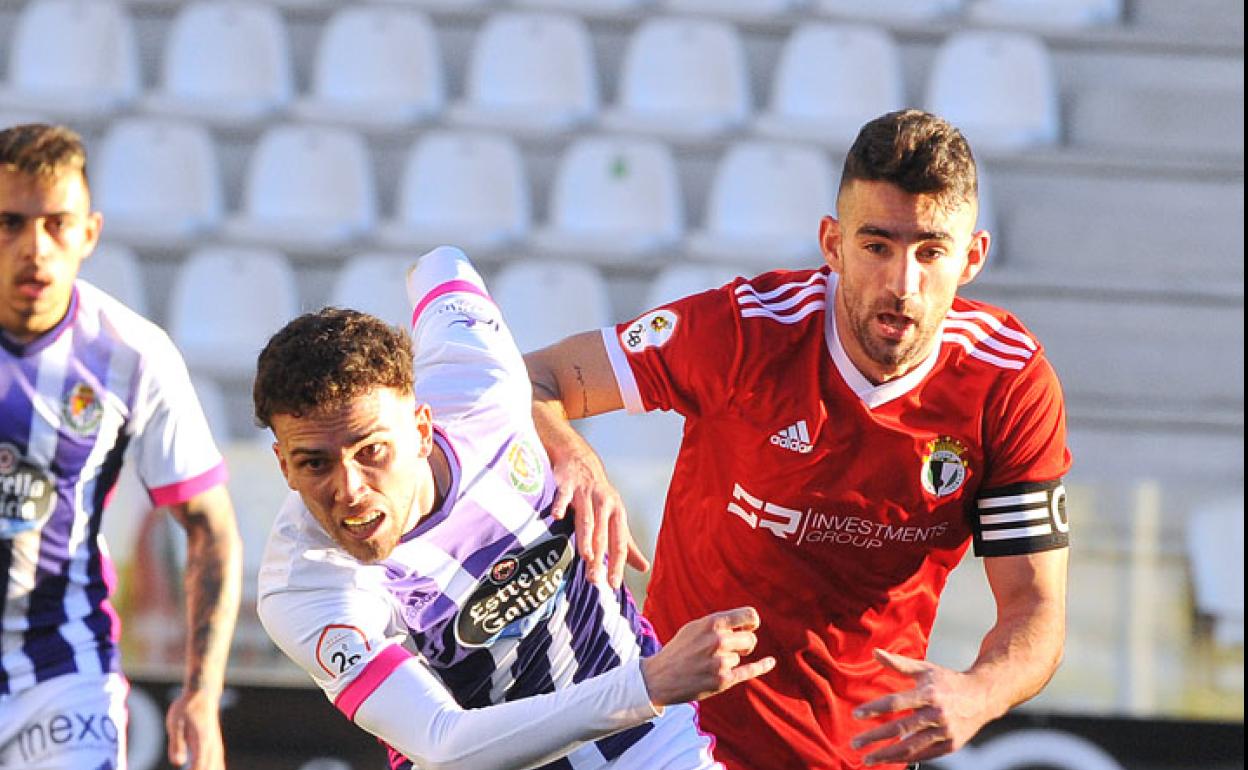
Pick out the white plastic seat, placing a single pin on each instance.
(115, 269)
(212, 400)
(683, 78)
(309, 188)
(614, 199)
(587, 7)
(225, 62)
(226, 303)
(374, 283)
(1215, 548)
(462, 187)
(680, 279)
(890, 11)
(445, 5)
(831, 79)
(376, 67)
(530, 71)
(765, 204)
(734, 9)
(527, 291)
(998, 87)
(74, 58)
(158, 182)
(1034, 14)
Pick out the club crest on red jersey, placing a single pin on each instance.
(944, 466)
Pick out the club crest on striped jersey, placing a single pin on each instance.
(653, 329)
(514, 591)
(943, 469)
(340, 648)
(82, 410)
(26, 493)
(524, 467)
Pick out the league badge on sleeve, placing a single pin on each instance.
(340, 648)
(944, 467)
(651, 330)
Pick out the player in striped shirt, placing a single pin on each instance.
(849, 432)
(84, 381)
(417, 574)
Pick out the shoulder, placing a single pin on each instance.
(985, 338)
(783, 297)
(102, 316)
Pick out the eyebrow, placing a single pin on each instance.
(352, 441)
(882, 232)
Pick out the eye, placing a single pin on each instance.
(879, 249)
(375, 453)
(311, 464)
(11, 224)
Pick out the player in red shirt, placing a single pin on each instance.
(849, 432)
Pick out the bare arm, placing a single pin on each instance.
(213, 582)
(573, 379)
(1018, 656)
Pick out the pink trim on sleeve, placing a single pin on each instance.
(182, 491)
(349, 700)
(446, 288)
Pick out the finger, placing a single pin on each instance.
(559, 506)
(583, 517)
(636, 558)
(618, 541)
(893, 729)
(911, 667)
(748, 671)
(740, 642)
(743, 618)
(906, 700)
(924, 744)
(177, 742)
(602, 531)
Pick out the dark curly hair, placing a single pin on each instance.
(326, 358)
(919, 152)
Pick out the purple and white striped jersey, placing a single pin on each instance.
(488, 591)
(104, 381)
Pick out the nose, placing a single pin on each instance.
(349, 484)
(37, 243)
(904, 276)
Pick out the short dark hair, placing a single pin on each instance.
(326, 358)
(43, 150)
(919, 152)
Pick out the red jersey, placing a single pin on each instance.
(835, 507)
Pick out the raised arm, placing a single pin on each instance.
(1018, 656)
(573, 379)
(213, 582)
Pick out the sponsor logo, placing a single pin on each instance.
(795, 438)
(82, 409)
(810, 526)
(651, 330)
(340, 648)
(26, 493)
(52, 735)
(524, 467)
(944, 467)
(514, 592)
(469, 314)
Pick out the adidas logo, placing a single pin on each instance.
(795, 438)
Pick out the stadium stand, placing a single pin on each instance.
(1041, 14)
(584, 301)
(116, 269)
(367, 282)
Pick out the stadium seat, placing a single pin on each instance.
(225, 304)
(1040, 14)
(158, 182)
(765, 205)
(71, 59)
(115, 269)
(682, 78)
(444, 5)
(587, 7)
(309, 188)
(545, 300)
(614, 199)
(680, 279)
(374, 283)
(227, 63)
(831, 79)
(376, 67)
(998, 87)
(461, 187)
(529, 72)
(890, 11)
(212, 401)
(1215, 548)
(744, 10)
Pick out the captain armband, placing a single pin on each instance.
(1021, 518)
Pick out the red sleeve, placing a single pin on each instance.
(682, 356)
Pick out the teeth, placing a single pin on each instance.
(359, 521)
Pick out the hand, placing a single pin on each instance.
(194, 727)
(600, 517)
(945, 711)
(704, 658)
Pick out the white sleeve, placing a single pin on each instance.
(413, 712)
(465, 358)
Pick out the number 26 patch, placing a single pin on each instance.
(340, 648)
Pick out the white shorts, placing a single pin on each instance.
(71, 722)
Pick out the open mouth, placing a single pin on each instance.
(364, 525)
(893, 325)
